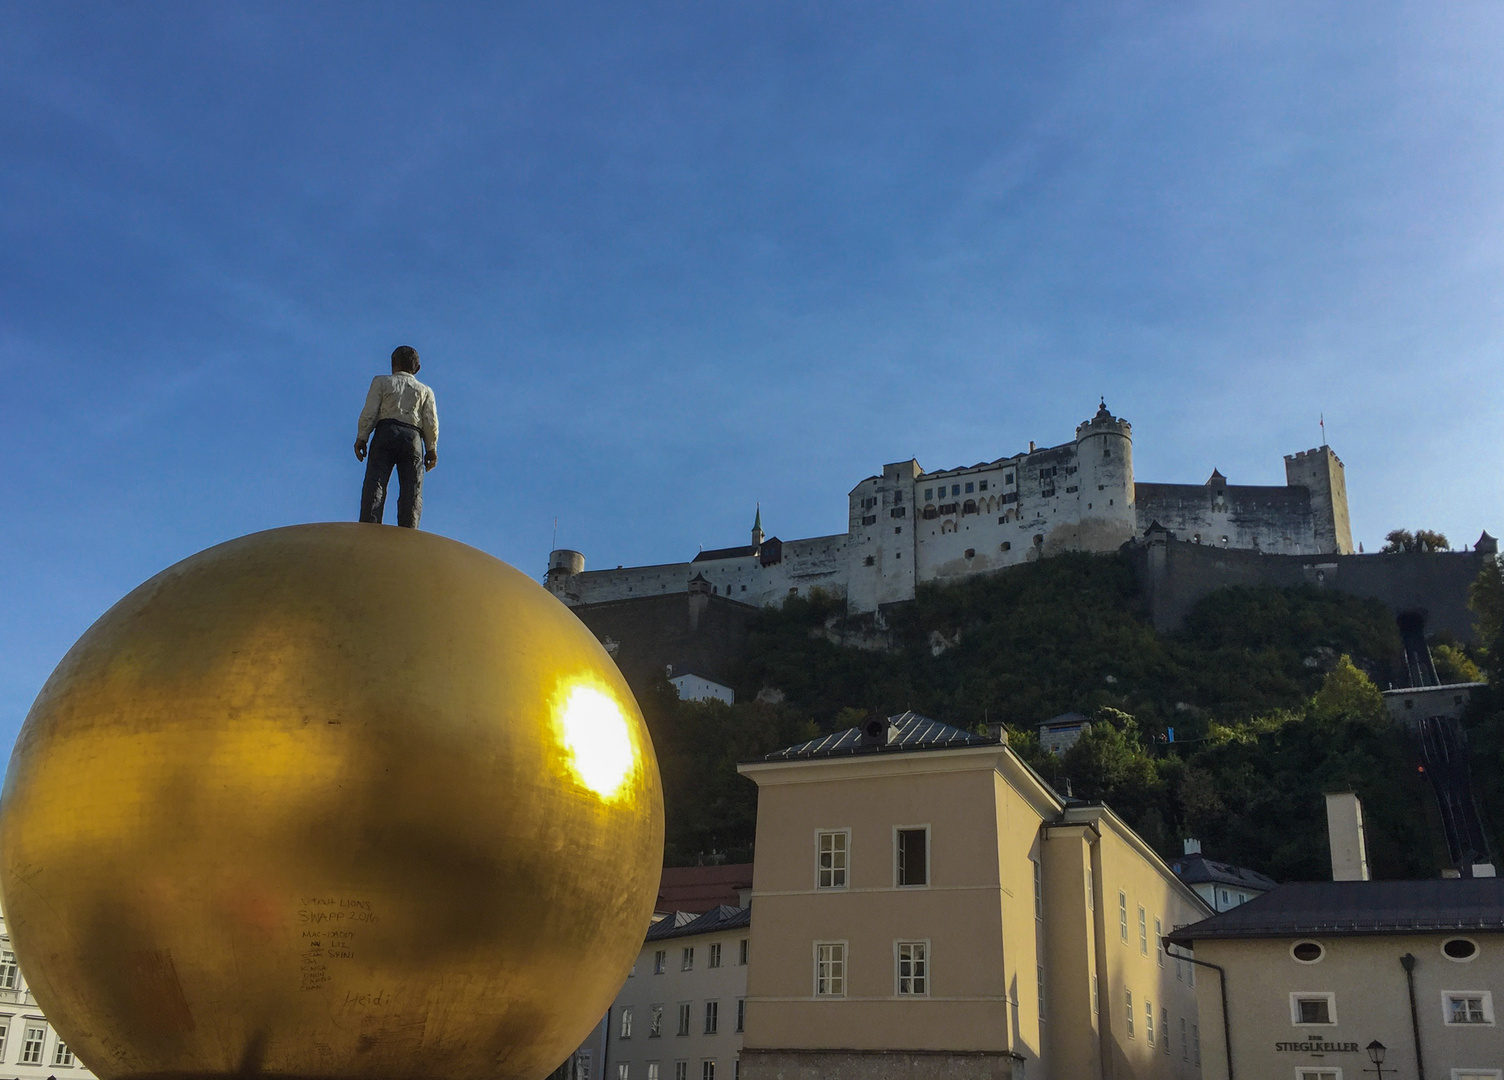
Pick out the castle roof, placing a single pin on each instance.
(1215, 478)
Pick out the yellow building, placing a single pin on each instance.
(927, 906)
(1326, 980)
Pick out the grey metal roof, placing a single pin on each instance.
(1349, 908)
(915, 732)
(1198, 870)
(716, 919)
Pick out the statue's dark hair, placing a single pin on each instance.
(405, 358)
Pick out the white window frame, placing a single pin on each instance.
(687, 958)
(1143, 931)
(622, 1071)
(1123, 916)
(1311, 1072)
(1296, 996)
(845, 869)
(27, 1027)
(923, 960)
(927, 859)
(10, 971)
(741, 1014)
(713, 1017)
(59, 1051)
(624, 1030)
(707, 1069)
(686, 1019)
(713, 959)
(1128, 1009)
(845, 947)
(660, 961)
(655, 1020)
(1149, 1021)
(653, 1070)
(1488, 1007)
(681, 1070)
(1038, 890)
(1159, 940)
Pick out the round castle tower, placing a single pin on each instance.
(1104, 462)
(563, 564)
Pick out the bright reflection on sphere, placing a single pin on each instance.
(596, 734)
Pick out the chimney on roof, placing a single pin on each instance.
(879, 731)
(1193, 847)
(1344, 828)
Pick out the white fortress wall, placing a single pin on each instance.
(1274, 520)
(625, 583)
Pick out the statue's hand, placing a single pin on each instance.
(360, 449)
(430, 459)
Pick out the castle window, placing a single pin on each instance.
(970, 506)
(970, 488)
(955, 489)
(870, 520)
(869, 561)
(899, 511)
(971, 553)
(930, 513)
(897, 497)
(1006, 546)
(929, 494)
(981, 485)
(1008, 479)
(897, 529)
(1107, 451)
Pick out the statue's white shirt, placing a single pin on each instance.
(401, 397)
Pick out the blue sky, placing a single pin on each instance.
(665, 261)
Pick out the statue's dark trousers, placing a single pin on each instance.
(400, 446)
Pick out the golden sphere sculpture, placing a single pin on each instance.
(331, 801)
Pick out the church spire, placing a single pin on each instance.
(757, 529)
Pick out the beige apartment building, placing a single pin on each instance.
(1333, 980)
(928, 906)
(30, 1049)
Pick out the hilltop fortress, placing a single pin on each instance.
(907, 526)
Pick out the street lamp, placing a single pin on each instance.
(1376, 1055)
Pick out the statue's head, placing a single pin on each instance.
(405, 358)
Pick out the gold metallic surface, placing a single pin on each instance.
(331, 801)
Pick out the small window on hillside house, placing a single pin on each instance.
(831, 860)
(1307, 1009)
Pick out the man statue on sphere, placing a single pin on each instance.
(402, 413)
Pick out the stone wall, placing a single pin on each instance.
(1277, 520)
(1174, 574)
(706, 635)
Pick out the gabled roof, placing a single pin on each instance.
(1351, 908)
(702, 888)
(1066, 720)
(744, 552)
(1198, 870)
(713, 921)
(915, 732)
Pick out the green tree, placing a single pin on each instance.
(1453, 665)
(1348, 692)
(1422, 540)
(1486, 598)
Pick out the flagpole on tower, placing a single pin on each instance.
(1323, 429)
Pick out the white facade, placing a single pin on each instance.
(698, 688)
(680, 1014)
(29, 1048)
(907, 526)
